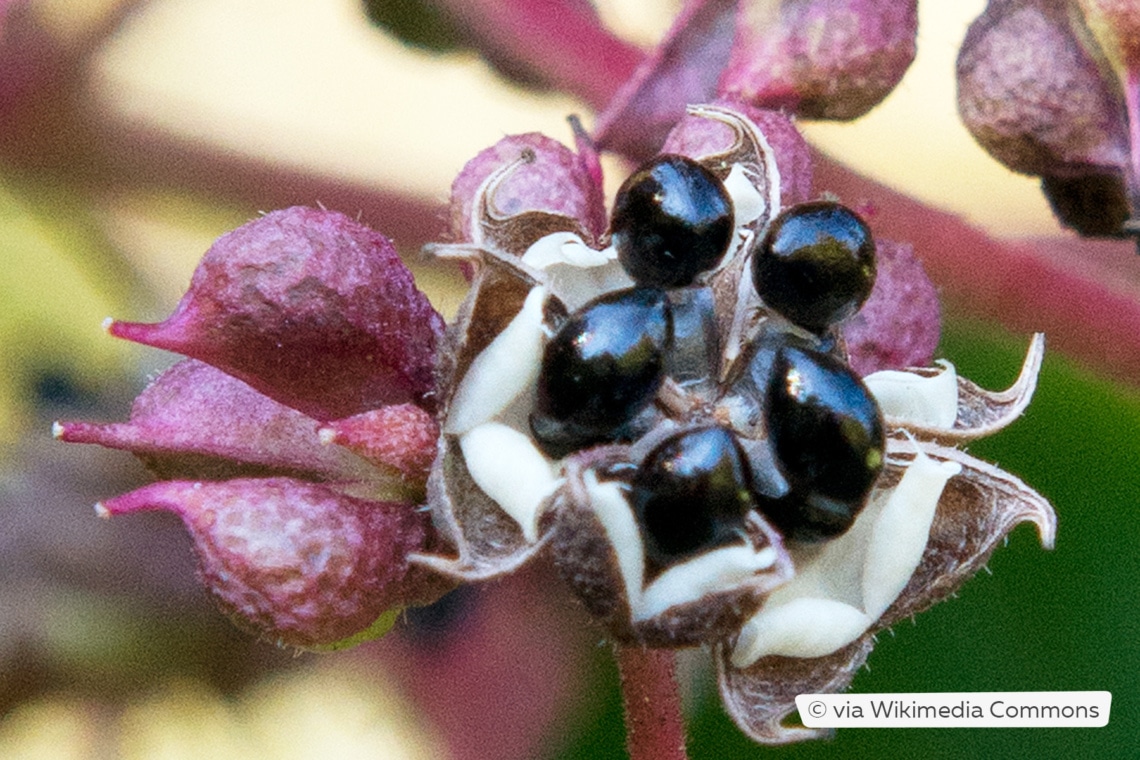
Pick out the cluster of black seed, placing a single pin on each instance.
(822, 448)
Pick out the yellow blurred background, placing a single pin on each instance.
(308, 84)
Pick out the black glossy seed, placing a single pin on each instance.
(691, 494)
(602, 367)
(672, 220)
(827, 434)
(815, 265)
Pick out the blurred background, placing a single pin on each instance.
(132, 133)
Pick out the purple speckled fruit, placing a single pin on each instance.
(310, 308)
(298, 563)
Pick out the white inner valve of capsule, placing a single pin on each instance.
(843, 586)
(922, 400)
(502, 459)
(508, 467)
(576, 272)
(715, 571)
(748, 204)
(504, 369)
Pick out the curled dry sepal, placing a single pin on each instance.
(783, 614)
(295, 442)
(1050, 88)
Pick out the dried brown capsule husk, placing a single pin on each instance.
(599, 548)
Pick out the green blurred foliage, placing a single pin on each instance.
(59, 280)
(416, 22)
(429, 26)
(1062, 620)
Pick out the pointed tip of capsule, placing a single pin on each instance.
(136, 332)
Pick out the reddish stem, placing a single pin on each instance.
(1081, 293)
(655, 729)
(561, 42)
